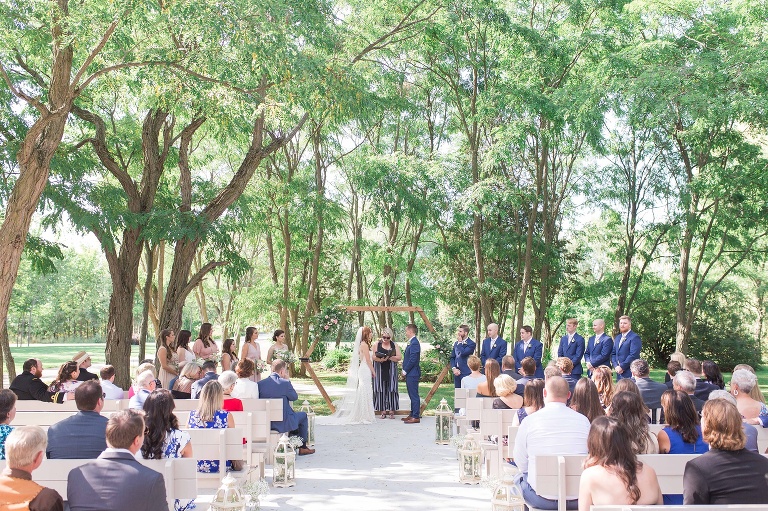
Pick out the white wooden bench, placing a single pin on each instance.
(460, 397)
(45, 419)
(180, 475)
(217, 444)
(722, 507)
(110, 405)
(495, 423)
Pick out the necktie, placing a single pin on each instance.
(570, 339)
(525, 347)
(623, 338)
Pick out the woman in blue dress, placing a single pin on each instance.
(210, 415)
(7, 413)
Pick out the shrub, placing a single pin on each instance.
(337, 359)
(430, 370)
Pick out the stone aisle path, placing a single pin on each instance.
(383, 466)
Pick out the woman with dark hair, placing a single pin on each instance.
(630, 411)
(533, 400)
(7, 413)
(586, 400)
(603, 378)
(228, 356)
(162, 436)
(612, 473)
(278, 338)
(682, 435)
(183, 351)
(712, 374)
(205, 347)
(169, 360)
(487, 387)
(252, 351)
(66, 380)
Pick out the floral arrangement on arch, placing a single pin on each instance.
(330, 320)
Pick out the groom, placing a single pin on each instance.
(412, 373)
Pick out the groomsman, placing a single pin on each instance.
(412, 373)
(529, 347)
(626, 349)
(572, 346)
(462, 349)
(599, 347)
(493, 346)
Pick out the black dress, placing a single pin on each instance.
(385, 394)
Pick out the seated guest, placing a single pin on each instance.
(728, 473)
(629, 386)
(505, 388)
(528, 369)
(703, 388)
(278, 386)
(245, 387)
(228, 380)
(492, 371)
(116, 481)
(209, 373)
(749, 430)
(145, 383)
(533, 400)
(182, 386)
(83, 360)
(553, 430)
(7, 413)
(475, 377)
(742, 383)
(162, 437)
(628, 408)
(686, 381)
(210, 414)
(81, 436)
(672, 368)
(612, 474)
(111, 391)
(712, 374)
(28, 387)
(566, 368)
(603, 378)
(586, 400)
(508, 367)
(755, 393)
(66, 380)
(25, 450)
(146, 365)
(552, 370)
(650, 390)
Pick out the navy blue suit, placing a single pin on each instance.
(625, 353)
(274, 387)
(412, 371)
(459, 356)
(497, 352)
(535, 350)
(573, 350)
(81, 436)
(197, 387)
(598, 353)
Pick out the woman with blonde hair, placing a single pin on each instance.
(182, 387)
(603, 378)
(210, 415)
(356, 407)
(505, 387)
(475, 377)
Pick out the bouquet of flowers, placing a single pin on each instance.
(287, 356)
(261, 366)
(329, 320)
(254, 490)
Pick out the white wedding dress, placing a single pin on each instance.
(357, 405)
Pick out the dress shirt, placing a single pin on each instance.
(111, 390)
(553, 430)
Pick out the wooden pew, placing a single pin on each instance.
(110, 405)
(460, 397)
(217, 444)
(45, 419)
(495, 423)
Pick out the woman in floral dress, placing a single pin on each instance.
(7, 413)
(210, 415)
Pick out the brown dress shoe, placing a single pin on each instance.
(303, 451)
(405, 418)
(412, 420)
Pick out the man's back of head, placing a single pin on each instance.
(552, 370)
(556, 390)
(685, 381)
(694, 366)
(673, 366)
(89, 396)
(24, 445)
(528, 365)
(640, 368)
(29, 365)
(507, 363)
(209, 366)
(123, 428)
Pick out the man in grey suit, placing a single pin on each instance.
(650, 390)
(116, 481)
(81, 436)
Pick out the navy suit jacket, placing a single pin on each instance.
(574, 351)
(625, 354)
(650, 391)
(411, 359)
(703, 388)
(535, 350)
(197, 387)
(82, 436)
(274, 387)
(116, 481)
(497, 352)
(598, 352)
(460, 354)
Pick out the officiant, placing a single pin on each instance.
(386, 355)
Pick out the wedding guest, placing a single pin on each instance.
(145, 384)
(278, 386)
(702, 388)
(245, 387)
(586, 400)
(627, 385)
(108, 387)
(505, 388)
(278, 340)
(83, 360)
(183, 352)
(146, 365)
(162, 437)
(168, 358)
(252, 351)
(712, 374)
(604, 382)
(508, 367)
(209, 373)
(755, 393)
(462, 349)
(227, 379)
(492, 371)
(25, 449)
(528, 371)
(742, 383)
(66, 380)
(210, 414)
(7, 413)
(749, 430)
(28, 387)
(533, 400)
(80, 436)
(552, 370)
(682, 435)
(228, 356)
(650, 390)
(182, 387)
(728, 473)
(386, 355)
(679, 362)
(566, 368)
(205, 347)
(475, 377)
(628, 408)
(612, 474)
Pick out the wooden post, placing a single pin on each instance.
(434, 388)
(319, 384)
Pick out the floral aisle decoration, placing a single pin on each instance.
(254, 490)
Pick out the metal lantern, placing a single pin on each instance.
(507, 495)
(443, 423)
(307, 408)
(228, 497)
(283, 468)
(469, 461)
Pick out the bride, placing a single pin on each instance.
(357, 405)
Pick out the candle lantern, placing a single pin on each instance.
(443, 423)
(228, 497)
(307, 408)
(507, 495)
(283, 467)
(469, 461)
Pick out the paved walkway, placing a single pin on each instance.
(383, 466)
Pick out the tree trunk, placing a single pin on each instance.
(683, 330)
(5, 356)
(145, 310)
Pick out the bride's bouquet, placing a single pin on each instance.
(286, 355)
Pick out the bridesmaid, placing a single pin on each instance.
(168, 358)
(251, 350)
(205, 347)
(183, 351)
(229, 359)
(279, 344)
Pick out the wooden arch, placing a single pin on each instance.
(361, 308)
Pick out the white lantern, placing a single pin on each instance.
(469, 461)
(507, 495)
(443, 423)
(306, 408)
(283, 468)
(228, 497)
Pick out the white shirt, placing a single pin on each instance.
(553, 430)
(245, 389)
(111, 390)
